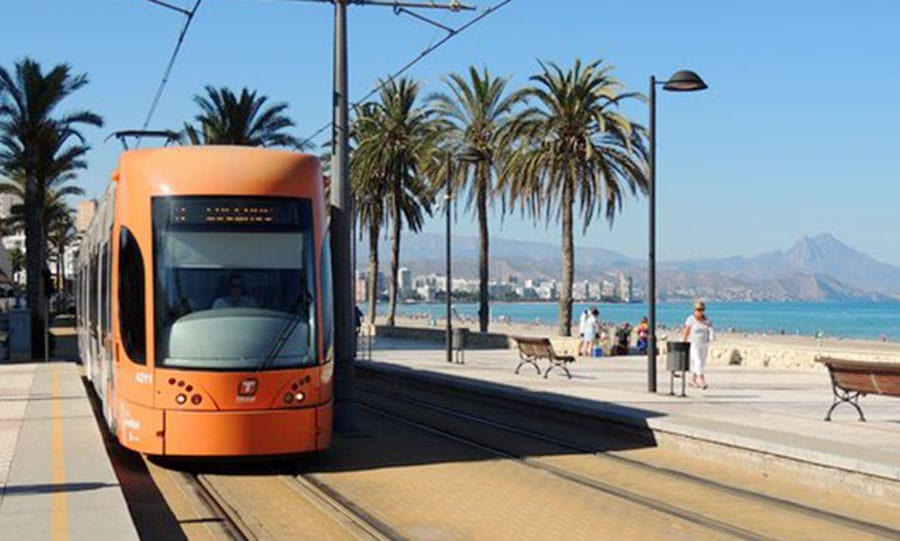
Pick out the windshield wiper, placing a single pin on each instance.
(286, 331)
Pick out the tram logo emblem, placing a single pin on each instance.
(247, 387)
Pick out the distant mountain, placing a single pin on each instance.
(814, 268)
(822, 255)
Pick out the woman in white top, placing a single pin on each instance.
(581, 326)
(699, 329)
(590, 331)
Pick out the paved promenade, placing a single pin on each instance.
(769, 412)
(56, 481)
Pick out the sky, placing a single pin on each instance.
(797, 134)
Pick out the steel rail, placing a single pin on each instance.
(306, 486)
(230, 521)
(347, 508)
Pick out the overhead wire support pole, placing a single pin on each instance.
(341, 236)
(341, 212)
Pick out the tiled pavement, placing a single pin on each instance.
(56, 478)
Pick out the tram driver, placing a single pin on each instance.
(235, 297)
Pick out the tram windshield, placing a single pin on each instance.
(234, 283)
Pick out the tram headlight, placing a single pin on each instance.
(288, 398)
(299, 396)
(181, 399)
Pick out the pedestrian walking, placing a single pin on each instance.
(698, 328)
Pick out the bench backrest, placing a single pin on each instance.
(865, 377)
(534, 347)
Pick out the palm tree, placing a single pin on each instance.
(228, 119)
(39, 146)
(369, 186)
(60, 234)
(399, 137)
(54, 204)
(477, 113)
(572, 146)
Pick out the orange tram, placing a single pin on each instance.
(204, 303)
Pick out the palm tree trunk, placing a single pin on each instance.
(395, 252)
(372, 292)
(34, 265)
(568, 260)
(484, 315)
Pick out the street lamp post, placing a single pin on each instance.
(680, 81)
(449, 287)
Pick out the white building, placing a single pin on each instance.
(84, 213)
(15, 241)
(625, 288)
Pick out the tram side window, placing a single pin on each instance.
(131, 297)
(327, 301)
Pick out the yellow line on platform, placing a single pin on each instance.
(59, 515)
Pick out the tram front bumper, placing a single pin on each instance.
(243, 433)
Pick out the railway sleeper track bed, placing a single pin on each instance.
(249, 507)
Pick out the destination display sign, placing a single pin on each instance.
(237, 211)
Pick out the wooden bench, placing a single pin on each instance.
(853, 379)
(531, 350)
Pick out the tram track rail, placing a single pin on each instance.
(361, 518)
(249, 502)
(228, 520)
(633, 496)
(334, 516)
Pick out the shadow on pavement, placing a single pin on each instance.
(49, 489)
(148, 508)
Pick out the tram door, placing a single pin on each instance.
(105, 342)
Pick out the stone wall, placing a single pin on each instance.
(476, 340)
(791, 357)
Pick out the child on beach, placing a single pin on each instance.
(698, 328)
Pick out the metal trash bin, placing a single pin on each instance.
(459, 340)
(678, 359)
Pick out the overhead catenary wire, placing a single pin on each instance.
(451, 33)
(189, 17)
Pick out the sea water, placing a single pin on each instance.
(868, 320)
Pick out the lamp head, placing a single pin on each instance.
(684, 81)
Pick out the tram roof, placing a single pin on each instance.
(224, 165)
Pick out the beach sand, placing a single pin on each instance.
(756, 350)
